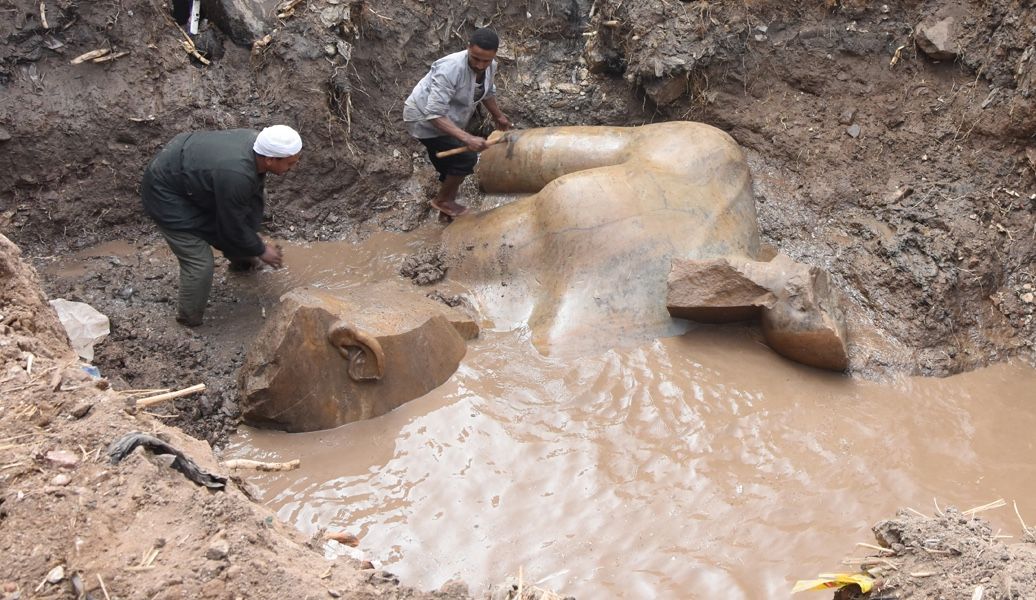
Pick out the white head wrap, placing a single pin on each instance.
(278, 141)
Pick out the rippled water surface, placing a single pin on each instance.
(702, 466)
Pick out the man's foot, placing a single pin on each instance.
(449, 208)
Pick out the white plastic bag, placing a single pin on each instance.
(83, 323)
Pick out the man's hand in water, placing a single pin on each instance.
(272, 256)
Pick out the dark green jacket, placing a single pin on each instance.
(205, 183)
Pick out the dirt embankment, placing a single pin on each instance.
(952, 555)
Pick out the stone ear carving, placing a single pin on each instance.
(363, 353)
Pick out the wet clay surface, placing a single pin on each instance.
(699, 466)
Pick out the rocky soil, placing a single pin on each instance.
(892, 144)
(951, 555)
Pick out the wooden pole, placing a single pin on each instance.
(153, 400)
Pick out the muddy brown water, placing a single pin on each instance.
(696, 466)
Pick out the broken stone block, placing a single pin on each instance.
(940, 40)
(715, 290)
(806, 324)
(800, 313)
(329, 358)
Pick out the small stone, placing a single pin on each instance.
(847, 116)
(215, 588)
(334, 593)
(344, 538)
(455, 587)
(61, 479)
(366, 565)
(63, 458)
(853, 131)
(5, 136)
(218, 550)
(126, 292)
(56, 575)
(82, 410)
(1027, 297)
(10, 586)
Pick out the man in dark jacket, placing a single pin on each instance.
(205, 188)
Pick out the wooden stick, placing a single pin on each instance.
(108, 57)
(494, 138)
(103, 589)
(242, 463)
(153, 400)
(877, 548)
(43, 15)
(1025, 529)
(917, 512)
(144, 390)
(991, 505)
(89, 56)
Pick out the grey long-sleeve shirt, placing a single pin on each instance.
(448, 90)
(206, 183)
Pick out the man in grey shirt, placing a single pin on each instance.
(441, 105)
